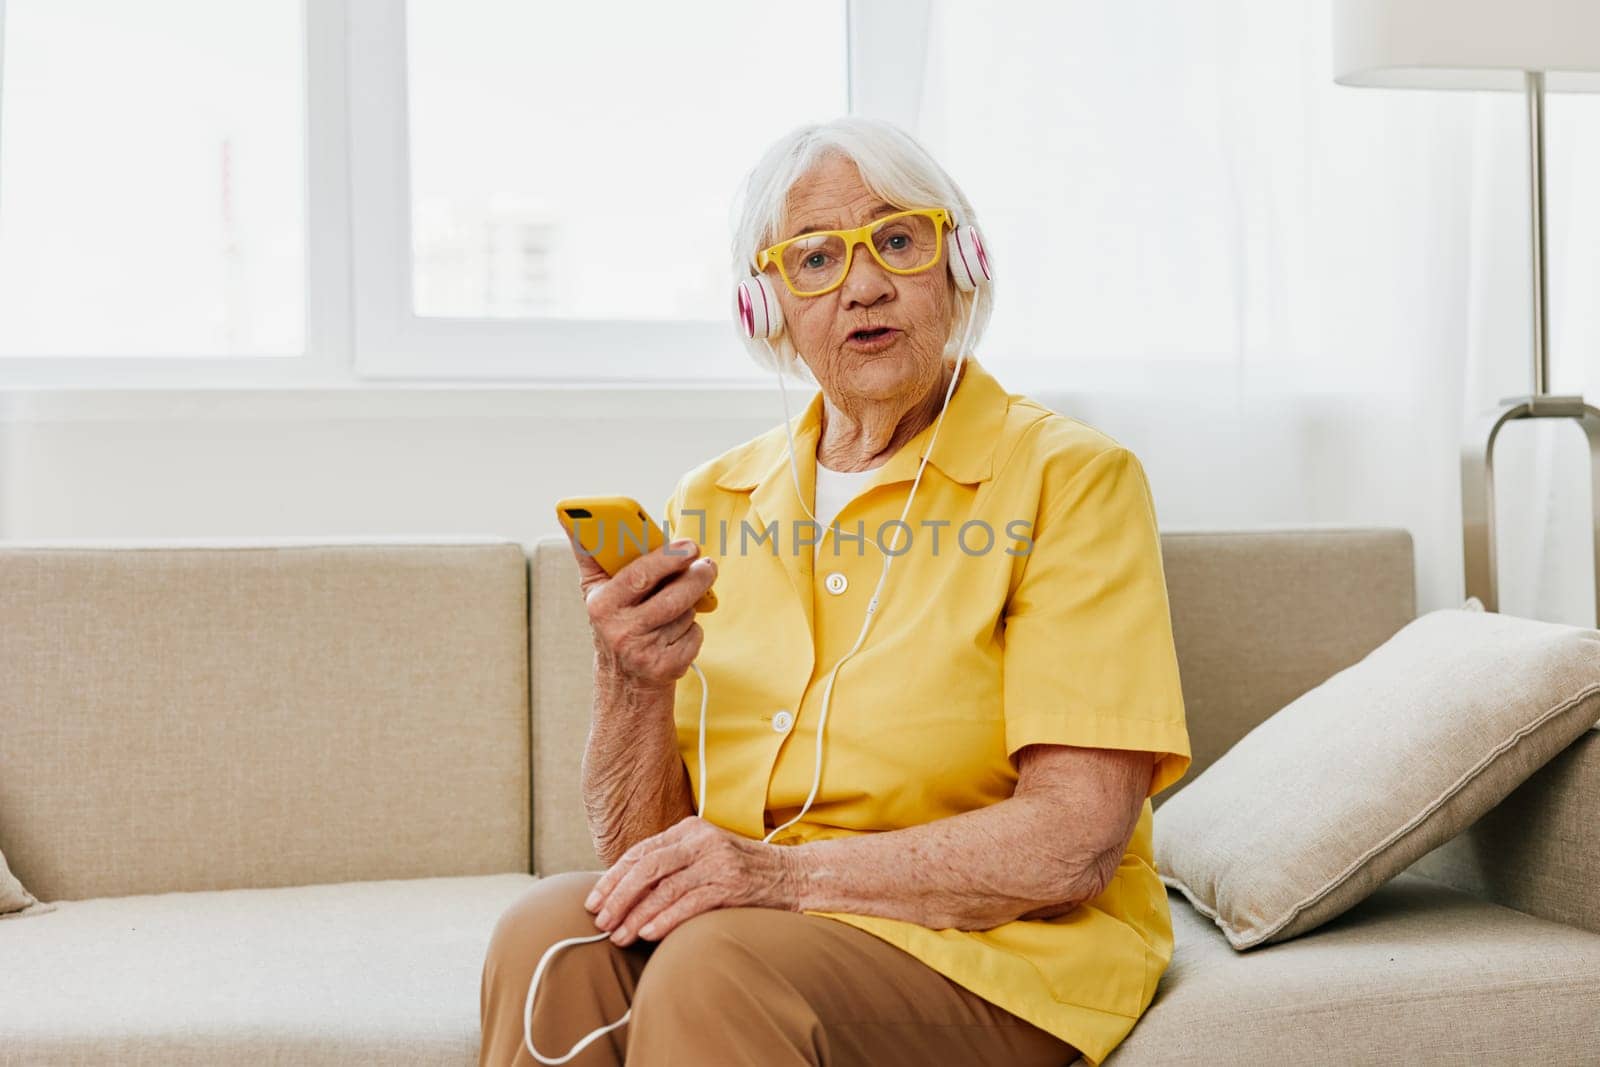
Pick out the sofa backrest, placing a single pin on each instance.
(1258, 619)
(212, 716)
(180, 716)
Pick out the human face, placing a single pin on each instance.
(897, 368)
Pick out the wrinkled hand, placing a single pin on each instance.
(645, 635)
(693, 867)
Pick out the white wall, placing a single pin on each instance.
(157, 464)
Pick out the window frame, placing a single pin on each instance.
(392, 342)
(325, 357)
(360, 329)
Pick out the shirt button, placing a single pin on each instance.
(781, 722)
(836, 583)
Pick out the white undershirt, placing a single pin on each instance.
(835, 489)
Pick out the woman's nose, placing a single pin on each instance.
(867, 282)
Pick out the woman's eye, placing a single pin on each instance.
(814, 261)
(893, 239)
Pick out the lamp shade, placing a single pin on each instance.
(1467, 44)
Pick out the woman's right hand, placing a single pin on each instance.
(646, 637)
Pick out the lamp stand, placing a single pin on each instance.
(1477, 450)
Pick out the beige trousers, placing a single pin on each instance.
(736, 986)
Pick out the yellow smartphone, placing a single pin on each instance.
(615, 530)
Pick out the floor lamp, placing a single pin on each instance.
(1529, 46)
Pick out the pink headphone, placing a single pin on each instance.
(755, 301)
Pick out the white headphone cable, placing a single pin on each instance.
(705, 692)
(888, 559)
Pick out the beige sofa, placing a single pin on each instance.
(282, 791)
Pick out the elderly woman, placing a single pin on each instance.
(940, 853)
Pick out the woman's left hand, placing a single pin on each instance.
(692, 867)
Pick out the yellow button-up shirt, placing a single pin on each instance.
(1027, 605)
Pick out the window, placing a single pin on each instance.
(579, 160)
(343, 191)
(556, 205)
(267, 192)
(152, 178)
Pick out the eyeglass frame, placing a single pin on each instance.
(859, 235)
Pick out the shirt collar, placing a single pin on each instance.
(963, 451)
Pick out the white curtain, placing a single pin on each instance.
(1286, 295)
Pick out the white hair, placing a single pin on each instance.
(893, 165)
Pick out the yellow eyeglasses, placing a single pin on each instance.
(906, 242)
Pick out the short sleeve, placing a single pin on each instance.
(1089, 654)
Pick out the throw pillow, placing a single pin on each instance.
(1350, 783)
(16, 901)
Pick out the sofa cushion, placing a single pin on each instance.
(389, 972)
(1349, 784)
(1418, 973)
(357, 972)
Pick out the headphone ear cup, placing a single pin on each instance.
(969, 263)
(755, 305)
